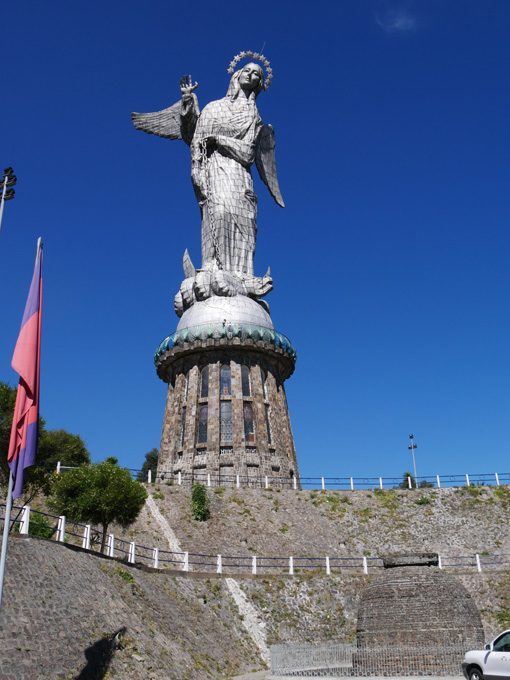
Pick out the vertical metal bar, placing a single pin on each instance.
(86, 537)
(254, 565)
(132, 552)
(61, 529)
(365, 565)
(438, 482)
(323, 487)
(467, 480)
(25, 520)
(328, 568)
(110, 550)
(497, 478)
(291, 565)
(185, 566)
(352, 484)
(5, 536)
(380, 483)
(478, 564)
(155, 557)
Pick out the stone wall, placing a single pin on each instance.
(62, 607)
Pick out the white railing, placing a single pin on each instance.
(210, 479)
(66, 531)
(180, 478)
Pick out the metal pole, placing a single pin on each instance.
(2, 203)
(5, 537)
(9, 180)
(413, 446)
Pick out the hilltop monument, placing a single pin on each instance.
(226, 411)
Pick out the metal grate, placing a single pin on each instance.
(343, 660)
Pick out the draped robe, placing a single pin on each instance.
(223, 183)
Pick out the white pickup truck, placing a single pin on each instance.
(491, 663)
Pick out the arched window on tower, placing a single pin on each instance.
(226, 421)
(263, 377)
(202, 424)
(249, 435)
(225, 381)
(186, 386)
(204, 382)
(268, 426)
(245, 381)
(183, 425)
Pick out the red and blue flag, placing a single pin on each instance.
(26, 359)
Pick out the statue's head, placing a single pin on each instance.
(250, 79)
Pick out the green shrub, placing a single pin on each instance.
(199, 502)
(40, 526)
(126, 575)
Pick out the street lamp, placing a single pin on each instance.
(413, 446)
(8, 181)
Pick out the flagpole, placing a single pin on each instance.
(10, 490)
(5, 536)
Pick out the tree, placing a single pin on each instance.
(34, 477)
(54, 445)
(99, 494)
(404, 484)
(7, 402)
(60, 445)
(150, 463)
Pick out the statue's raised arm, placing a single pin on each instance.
(225, 139)
(177, 121)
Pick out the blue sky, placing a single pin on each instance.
(389, 260)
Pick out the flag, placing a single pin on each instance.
(25, 424)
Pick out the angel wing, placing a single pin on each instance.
(175, 122)
(266, 162)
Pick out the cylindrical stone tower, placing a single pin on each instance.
(226, 412)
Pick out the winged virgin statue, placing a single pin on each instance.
(225, 139)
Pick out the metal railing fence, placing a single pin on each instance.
(341, 660)
(329, 483)
(90, 538)
(251, 481)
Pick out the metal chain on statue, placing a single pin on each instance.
(205, 165)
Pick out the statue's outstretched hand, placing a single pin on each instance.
(187, 86)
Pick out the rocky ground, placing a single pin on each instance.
(454, 521)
